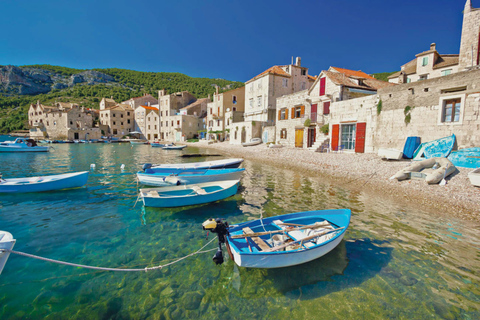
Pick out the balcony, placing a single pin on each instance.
(215, 116)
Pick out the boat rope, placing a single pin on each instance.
(111, 269)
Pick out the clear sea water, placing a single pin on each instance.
(396, 262)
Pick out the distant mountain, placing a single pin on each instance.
(23, 85)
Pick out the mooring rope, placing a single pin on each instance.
(110, 269)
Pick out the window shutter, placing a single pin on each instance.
(302, 111)
(279, 114)
(326, 107)
(360, 137)
(293, 113)
(322, 86)
(335, 132)
(286, 114)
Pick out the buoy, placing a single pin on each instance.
(122, 166)
(6, 242)
(92, 166)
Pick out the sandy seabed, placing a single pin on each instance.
(369, 173)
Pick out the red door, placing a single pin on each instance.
(335, 132)
(360, 137)
(313, 113)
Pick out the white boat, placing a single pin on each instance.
(215, 164)
(432, 170)
(474, 177)
(390, 154)
(173, 147)
(177, 177)
(22, 145)
(281, 241)
(187, 195)
(275, 145)
(138, 141)
(6, 242)
(252, 142)
(44, 183)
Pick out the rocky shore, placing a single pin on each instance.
(368, 173)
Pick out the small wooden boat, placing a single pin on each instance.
(22, 145)
(466, 158)
(138, 141)
(390, 154)
(281, 241)
(275, 145)
(157, 145)
(173, 147)
(432, 170)
(177, 177)
(44, 183)
(187, 195)
(474, 177)
(252, 142)
(215, 164)
(439, 148)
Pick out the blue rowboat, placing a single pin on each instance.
(281, 241)
(21, 145)
(439, 148)
(44, 183)
(466, 158)
(157, 145)
(187, 195)
(215, 164)
(177, 177)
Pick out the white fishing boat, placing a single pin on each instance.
(173, 147)
(22, 145)
(281, 241)
(6, 243)
(252, 142)
(474, 177)
(215, 164)
(177, 177)
(44, 183)
(390, 154)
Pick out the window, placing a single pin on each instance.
(148, 127)
(250, 103)
(259, 101)
(283, 133)
(234, 99)
(71, 123)
(113, 122)
(424, 61)
(451, 110)
(128, 121)
(121, 116)
(166, 113)
(285, 83)
(304, 72)
(172, 123)
(178, 122)
(423, 77)
(128, 113)
(446, 72)
(409, 80)
(298, 112)
(218, 123)
(211, 110)
(155, 119)
(114, 131)
(282, 114)
(322, 86)
(121, 123)
(113, 115)
(326, 107)
(148, 119)
(166, 123)
(155, 127)
(348, 136)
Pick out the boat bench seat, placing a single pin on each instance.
(320, 227)
(199, 190)
(258, 241)
(153, 193)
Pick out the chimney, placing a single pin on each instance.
(433, 46)
(292, 59)
(216, 89)
(298, 62)
(468, 7)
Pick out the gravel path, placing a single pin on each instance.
(368, 172)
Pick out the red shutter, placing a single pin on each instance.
(293, 113)
(322, 86)
(360, 137)
(302, 111)
(314, 108)
(326, 107)
(335, 133)
(286, 114)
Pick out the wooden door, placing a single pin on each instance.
(311, 137)
(335, 133)
(298, 138)
(360, 137)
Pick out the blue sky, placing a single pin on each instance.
(229, 39)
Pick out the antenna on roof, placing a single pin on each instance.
(292, 59)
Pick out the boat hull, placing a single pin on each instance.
(390, 154)
(216, 164)
(23, 149)
(281, 259)
(44, 183)
(173, 147)
(189, 177)
(474, 177)
(175, 198)
(439, 148)
(466, 158)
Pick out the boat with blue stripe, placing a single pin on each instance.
(44, 183)
(178, 176)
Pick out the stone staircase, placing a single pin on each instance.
(320, 145)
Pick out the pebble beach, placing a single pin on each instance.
(370, 174)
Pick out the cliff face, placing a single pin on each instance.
(31, 81)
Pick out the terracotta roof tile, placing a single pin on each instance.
(312, 78)
(275, 70)
(368, 84)
(352, 73)
(149, 108)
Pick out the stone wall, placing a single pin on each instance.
(246, 130)
(470, 38)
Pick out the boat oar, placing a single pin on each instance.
(257, 234)
(302, 240)
(444, 182)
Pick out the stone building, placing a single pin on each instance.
(301, 115)
(118, 120)
(147, 121)
(262, 91)
(62, 121)
(145, 100)
(469, 43)
(170, 105)
(233, 102)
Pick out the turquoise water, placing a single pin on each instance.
(395, 262)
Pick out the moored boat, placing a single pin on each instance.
(466, 158)
(22, 145)
(432, 170)
(474, 177)
(215, 164)
(138, 141)
(390, 154)
(157, 145)
(281, 241)
(177, 177)
(252, 142)
(187, 195)
(44, 183)
(439, 148)
(173, 147)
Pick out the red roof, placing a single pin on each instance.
(275, 70)
(149, 108)
(353, 73)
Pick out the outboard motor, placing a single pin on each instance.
(146, 166)
(221, 229)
